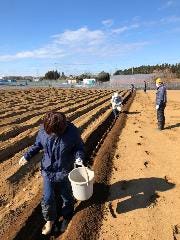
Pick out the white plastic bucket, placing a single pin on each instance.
(81, 179)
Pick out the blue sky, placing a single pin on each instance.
(81, 35)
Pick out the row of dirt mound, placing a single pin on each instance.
(21, 187)
(21, 114)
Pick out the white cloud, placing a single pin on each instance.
(45, 52)
(120, 49)
(125, 28)
(170, 19)
(120, 30)
(81, 42)
(79, 35)
(136, 19)
(108, 22)
(167, 4)
(163, 21)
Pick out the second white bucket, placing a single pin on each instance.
(82, 179)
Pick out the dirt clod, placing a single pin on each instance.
(146, 164)
(147, 152)
(177, 229)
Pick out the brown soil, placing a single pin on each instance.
(21, 186)
(89, 214)
(136, 190)
(144, 200)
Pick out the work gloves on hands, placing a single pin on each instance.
(157, 107)
(23, 161)
(79, 162)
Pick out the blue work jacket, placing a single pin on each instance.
(60, 152)
(161, 95)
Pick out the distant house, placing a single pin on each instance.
(3, 82)
(28, 78)
(10, 82)
(89, 81)
(36, 79)
(72, 81)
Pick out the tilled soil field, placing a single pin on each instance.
(137, 168)
(21, 187)
(144, 188)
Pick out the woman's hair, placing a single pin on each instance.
(55, 122)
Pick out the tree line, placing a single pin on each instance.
(147, 69)
(55, 75)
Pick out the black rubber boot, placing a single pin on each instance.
(163, 123)
(160, 125)
(64, 224)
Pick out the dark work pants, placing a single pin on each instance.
(57, 199)
(115, 112)
(160, 116)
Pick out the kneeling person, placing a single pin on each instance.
(116, 102)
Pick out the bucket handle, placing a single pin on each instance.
(87, 176)
(87, 179)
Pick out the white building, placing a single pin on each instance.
(89, 81)
(36, 79)
(72, 81)
(1, 77)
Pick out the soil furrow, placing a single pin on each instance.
(18, 118)
(99, 133)
(24, 177)
(26, 138)
(8, 132)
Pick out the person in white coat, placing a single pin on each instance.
(116, 102)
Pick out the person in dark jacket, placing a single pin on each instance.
(63, 147)
(145, 86)
(161, 99)
(132, 88)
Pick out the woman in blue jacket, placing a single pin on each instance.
(62, 147)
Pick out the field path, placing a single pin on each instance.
(144, 198)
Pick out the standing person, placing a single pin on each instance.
(161, 99)
(145, 86)
(62, 147)
(132, 88)
(116, 102)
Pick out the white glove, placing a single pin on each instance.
(79, 162)
(23, 161)
(157, 107)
